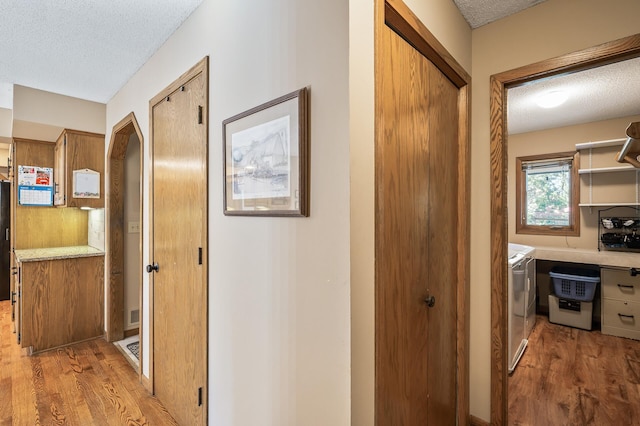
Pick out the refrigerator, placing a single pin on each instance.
(5, 240)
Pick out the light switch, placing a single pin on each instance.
(133, 227)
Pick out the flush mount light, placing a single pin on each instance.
(552, 99)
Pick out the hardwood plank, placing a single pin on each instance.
(575, 376)
(89, 383)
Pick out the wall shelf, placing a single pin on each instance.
(608, 170)
(608, 204)
(590, 171)
(600, 144)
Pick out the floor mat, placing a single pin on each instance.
(135, 349)
(130, 347)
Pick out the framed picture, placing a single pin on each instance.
(266, 150)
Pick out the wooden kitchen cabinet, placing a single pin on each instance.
(77, 150)
(620, 303)
(24, 152)
(60, 301)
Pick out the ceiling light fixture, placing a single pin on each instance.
(552, 99)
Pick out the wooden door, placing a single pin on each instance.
(179, 243)
(416, 238)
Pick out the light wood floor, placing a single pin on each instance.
(569, 376)
(85, 384)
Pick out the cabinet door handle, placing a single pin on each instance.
(56, 187)
(625, 316)
(625, 286)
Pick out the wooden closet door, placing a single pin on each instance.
(416, 239)
(179, 243)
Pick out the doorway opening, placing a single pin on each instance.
(124, 236)
(606, 53)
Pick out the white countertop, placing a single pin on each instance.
(595, 257)
(52, 253)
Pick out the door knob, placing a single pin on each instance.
(430, 301)
(154, 267)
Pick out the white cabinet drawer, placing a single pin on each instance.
(619, 284)
(621, 318)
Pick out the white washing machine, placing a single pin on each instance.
(522, 299)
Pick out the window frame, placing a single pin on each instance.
(573, 230)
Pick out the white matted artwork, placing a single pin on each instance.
(265, 159)
(86, 184)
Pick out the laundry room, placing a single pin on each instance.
(574, 230)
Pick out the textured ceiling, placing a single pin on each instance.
(481, 12)
(601, 93)
(82, 48)
(90, 48)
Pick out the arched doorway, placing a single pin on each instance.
(123, 132)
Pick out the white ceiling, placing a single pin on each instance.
(606, 92)
(90, 48)
(82, 48)
(481, 12)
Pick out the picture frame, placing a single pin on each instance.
(266, 159)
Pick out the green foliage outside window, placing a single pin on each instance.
(548, 198)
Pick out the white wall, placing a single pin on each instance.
(42, 115)
(279, 328)
(547, 30)
(6, 117)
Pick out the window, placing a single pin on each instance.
(547, 194)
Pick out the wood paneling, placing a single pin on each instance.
(599, 55)
(89, 383)
(40, 227)
(62, 301)
(422, 180)
(575, 377)
(179, 245)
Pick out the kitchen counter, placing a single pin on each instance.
(595, 257)
(53, 253)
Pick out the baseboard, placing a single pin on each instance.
(133, 332)
(474, 421)
(146, 383)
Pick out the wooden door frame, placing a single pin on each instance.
(200, 67)
(603, 54)
(115, 228)
(396, 15)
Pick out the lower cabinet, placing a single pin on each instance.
(61, 301)
(620, 303)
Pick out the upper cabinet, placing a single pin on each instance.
(82, 152)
